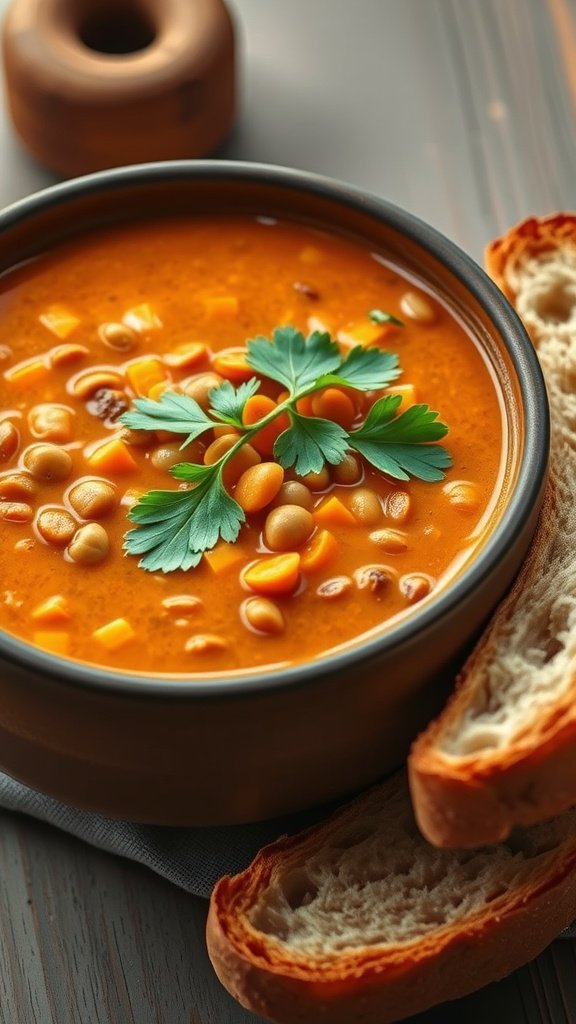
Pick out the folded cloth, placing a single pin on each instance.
(192, 858)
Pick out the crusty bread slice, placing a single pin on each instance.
(361, 921)
(503, 752)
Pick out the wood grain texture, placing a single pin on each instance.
(86, 938)
(462, 111)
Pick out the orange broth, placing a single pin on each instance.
(220, 282)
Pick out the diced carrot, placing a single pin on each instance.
(333, 512)
(333, 404)
(276, 575)
(142, 318)
(114, 634)
(321, 550)
(112, 457)
(51, 612)
(143, 374)
(258, 486)
(365, 332)
(157, 390)
(28, 372)
(231, 364)
(221, 305)
(255, 409)
(407, 393)
(223, 556)
(54, 640)
(60, 321)
(184, 357)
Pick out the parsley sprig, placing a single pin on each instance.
(175, 527)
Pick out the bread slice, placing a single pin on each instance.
(361, 921)
(503, 752)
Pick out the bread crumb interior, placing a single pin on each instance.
(529, 661)
(379, 883)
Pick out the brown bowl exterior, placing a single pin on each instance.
(200, 752)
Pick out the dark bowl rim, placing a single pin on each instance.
(527, 488)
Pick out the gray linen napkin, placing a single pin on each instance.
(192, 858)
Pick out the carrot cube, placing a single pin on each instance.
(365, 332)
(54, 640)
(142, 318)
(144, 374)
(156, 392)
(232, 365)
(112, 457)
(27, 372)
(223, 557)
(52, 612)
(276, 575)
(114, 634)
(186, 356)
(60, 321)
(407, 393)
(333, 512)
(321, 550)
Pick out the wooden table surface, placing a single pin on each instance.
(464, 112)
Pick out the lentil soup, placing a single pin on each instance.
(323, 558)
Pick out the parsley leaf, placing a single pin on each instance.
(399, 445)
(227, 402)
(175, 527)
(177, 413)
(164, 532)
(418, 423)
(292, 360)
(366, 369)
(379, 316)
(309, 443)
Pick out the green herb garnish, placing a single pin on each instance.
(379, 316)
(174, 528)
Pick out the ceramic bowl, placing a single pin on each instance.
(258, 745)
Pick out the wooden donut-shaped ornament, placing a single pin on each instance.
(98, 83)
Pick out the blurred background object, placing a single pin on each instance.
(92, 84)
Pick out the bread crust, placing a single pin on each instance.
(478, 798)
(379, 984)
(529, 238)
